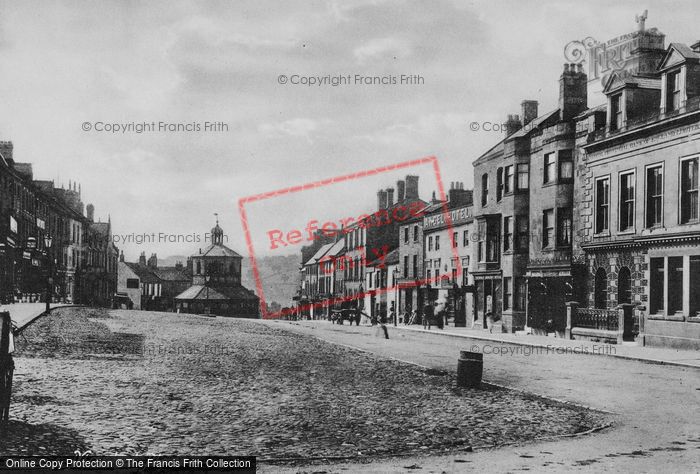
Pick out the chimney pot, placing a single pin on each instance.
(400, 190)
(529, 110)
(389, 197)
(573, 91)
(512, 124)
(411, 187)
(381, 199)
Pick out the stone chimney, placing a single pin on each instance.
(529, 110)
(458, 196)
(389, 197)
(153, 261)
(121, 256)
(142, 259)
(381, 199)
(90, 213)
(512, 124)
(400, 190)
(178, 265)
(573, 91)
(6, 151)
(411, 187)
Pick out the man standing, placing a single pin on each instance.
(440, 314)
(428, 315)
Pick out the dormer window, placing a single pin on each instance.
(673, 91)
(616, 112)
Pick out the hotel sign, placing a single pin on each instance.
(457, 217)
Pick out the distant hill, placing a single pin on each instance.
(279, 275)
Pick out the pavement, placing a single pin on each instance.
(656, 407)
(23, 314)
(633, 351)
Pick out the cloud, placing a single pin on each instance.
(425, 127)
(298, 127)
(381, 48)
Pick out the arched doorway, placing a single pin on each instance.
(624, 286)
(601, 289)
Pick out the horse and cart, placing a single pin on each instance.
(347, 312)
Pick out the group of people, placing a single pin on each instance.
(432, 314)
(435, 313)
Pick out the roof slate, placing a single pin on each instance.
(217, 250)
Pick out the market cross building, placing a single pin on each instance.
(216, 283)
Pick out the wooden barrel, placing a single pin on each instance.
(470, 367)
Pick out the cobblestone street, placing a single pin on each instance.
(655, 407)
(137, 382)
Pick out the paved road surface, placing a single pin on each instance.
(658, 406)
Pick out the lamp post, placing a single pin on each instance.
(47, 243)
(396, 297)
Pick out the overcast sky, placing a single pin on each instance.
(64, 63)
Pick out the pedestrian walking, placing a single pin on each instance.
(428, 315)
(490, 321)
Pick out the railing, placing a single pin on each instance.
(617, 324)
(590, 318)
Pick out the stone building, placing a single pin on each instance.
(129, 283)
(355, 236)
(307, 294)
(31, 210)
(411, 275)
(447, 253)
(378, 234)
(341, 267)
(381, 283)
(316, 283)
(551, 278)
(637, 201)
(150, 286)
(216, 283)
(524, 211)
(99, 267)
